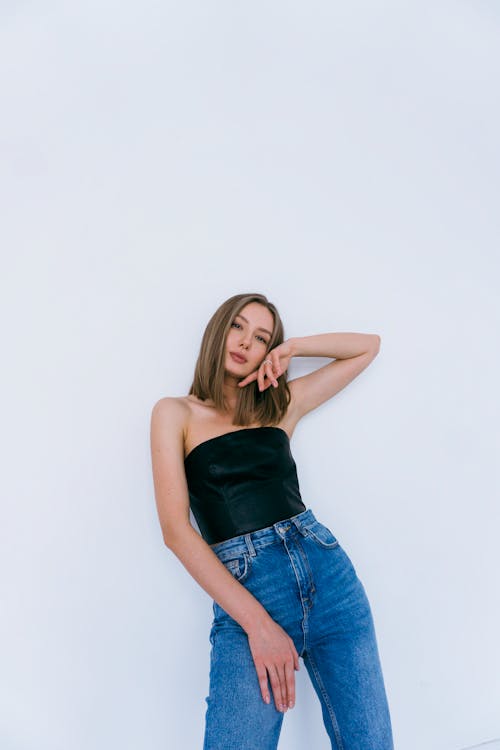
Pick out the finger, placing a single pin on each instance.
(262, 677)
(260, 377)
(270, 375)
(276, 686)
(290, 683)
(267, 384)
(282, 674)
(296, 664)
(248, 378)
(276, 364)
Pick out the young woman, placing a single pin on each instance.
(282, 585)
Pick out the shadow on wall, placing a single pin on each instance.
(489, 745)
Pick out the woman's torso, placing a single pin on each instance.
(240, 479)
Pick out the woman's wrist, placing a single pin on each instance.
(292, 342)
(257, 624)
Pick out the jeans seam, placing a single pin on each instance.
(329, 707)
(304, 608)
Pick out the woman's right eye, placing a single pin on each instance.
(235, 324)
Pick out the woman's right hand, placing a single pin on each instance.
(274, 653)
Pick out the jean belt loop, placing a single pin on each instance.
(249, 543)
(299, 525)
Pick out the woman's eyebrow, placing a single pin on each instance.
(259, 328)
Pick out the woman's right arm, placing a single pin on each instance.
(272, 648)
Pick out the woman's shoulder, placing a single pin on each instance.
(173, 409)
(173, 403)
(181, 410)
(188, 416)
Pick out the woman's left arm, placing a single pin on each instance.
(338, 345)
(353, 352)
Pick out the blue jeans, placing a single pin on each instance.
(304, 579)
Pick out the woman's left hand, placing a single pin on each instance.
(280, 358)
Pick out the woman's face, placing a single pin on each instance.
(249, 337)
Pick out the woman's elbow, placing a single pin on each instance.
(176, 534)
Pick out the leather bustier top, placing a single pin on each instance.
(242, 481)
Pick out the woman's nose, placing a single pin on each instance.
(245, 341)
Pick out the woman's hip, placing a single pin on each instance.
(297, 569)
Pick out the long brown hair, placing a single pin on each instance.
(265, 407)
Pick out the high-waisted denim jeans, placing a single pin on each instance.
(304, 579)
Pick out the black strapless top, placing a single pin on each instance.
(242, 481)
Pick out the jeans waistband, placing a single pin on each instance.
(262, 537)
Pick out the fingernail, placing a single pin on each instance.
(290, 704)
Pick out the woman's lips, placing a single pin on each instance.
(238, 359)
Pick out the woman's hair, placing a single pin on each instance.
(265, 407)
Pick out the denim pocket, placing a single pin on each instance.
(322, 535)
(239, 567)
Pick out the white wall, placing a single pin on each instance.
(341, 158)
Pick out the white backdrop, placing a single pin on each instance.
(341, 158)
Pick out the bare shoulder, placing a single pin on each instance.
(170, 412)
(172, 405)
